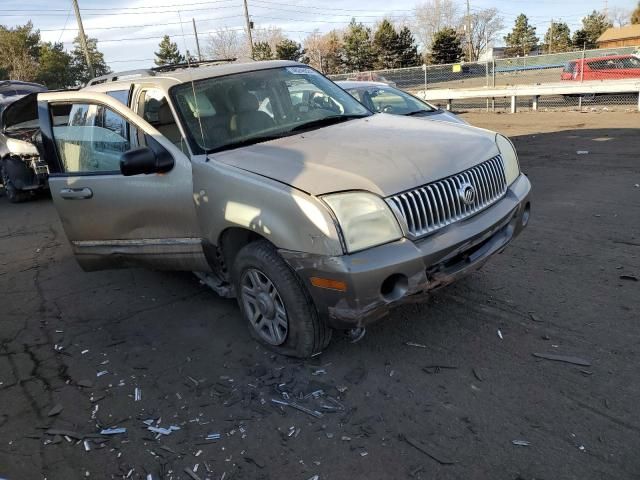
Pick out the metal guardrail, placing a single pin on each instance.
(587, 89)
(517, 72)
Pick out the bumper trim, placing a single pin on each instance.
(426, 264)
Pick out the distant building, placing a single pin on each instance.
(628, 36)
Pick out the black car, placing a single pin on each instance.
(22, 172)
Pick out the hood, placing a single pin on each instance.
(383, 154)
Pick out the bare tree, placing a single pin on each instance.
(431, 17)
(324, 50)
(227, 43)
(485, 24)
(619, 16)
(271, 35)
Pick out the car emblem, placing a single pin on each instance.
(467, 193)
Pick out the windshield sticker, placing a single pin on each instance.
(301, 71)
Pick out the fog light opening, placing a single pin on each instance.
(526, 214)
(394, 287)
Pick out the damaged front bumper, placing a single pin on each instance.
(399, 272)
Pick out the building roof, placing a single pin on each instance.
(620, 33)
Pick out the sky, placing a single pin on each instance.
(128, 31)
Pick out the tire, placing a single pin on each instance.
(13, 194)
(256, 269)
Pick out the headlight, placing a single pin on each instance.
(365, 219)
(509, 157)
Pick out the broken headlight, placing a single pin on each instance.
(364, 218)
(509, 158)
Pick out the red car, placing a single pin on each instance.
(612, 67)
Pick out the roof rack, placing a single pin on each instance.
(114, 76)
(181, 66)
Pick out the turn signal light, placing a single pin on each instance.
(329, 284)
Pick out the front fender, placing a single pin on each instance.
(227, 197)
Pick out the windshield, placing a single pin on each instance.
(245, 108)
(382, 99)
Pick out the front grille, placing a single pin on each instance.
(431, 207)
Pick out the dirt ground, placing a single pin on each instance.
(450, 410)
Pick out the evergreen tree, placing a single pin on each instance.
(522, 38)
(79, 68)
(593, 25)
(446, 47)
(557, 39)
(168, 53)
(358, 53)
(54, 66)
(289, 50)
(407, 49)
(635, 16)
(262, 51)
(386, 46)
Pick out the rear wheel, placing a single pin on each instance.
(13, 194)
(277, 307)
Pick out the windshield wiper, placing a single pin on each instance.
(323, 122)
(417, 112)
(246, 143)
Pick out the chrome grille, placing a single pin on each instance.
(431, 207)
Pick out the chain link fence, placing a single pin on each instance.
(569, 68)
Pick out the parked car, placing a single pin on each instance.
(611, 67)
(314, 218)
(381, 98)
(370, 77)
(22, 171)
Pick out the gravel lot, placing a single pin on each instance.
(449, 410)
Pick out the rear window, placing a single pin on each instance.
(569, 67)
(615, 63)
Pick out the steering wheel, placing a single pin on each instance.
(388, 109)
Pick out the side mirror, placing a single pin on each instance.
(144, 160)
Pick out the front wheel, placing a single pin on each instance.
(277, 307)
(13, 194)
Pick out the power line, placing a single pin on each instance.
(210, 2)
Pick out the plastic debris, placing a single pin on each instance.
(55, 410)
(137, 394)
(320, 371)
(500, 335)
(163, 431)
(315, 477)
(582, 152)
(101, 373)
(191, 473)
(84, 383)
(113, 431)
(84, 351)
(87, 447)
(297, 406)
(413, 344)
(629, 277)
(422, 449)
(521, 443)
(563, 358)
(213, 436)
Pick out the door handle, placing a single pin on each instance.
(76, 193)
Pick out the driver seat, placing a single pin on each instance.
(247, 117)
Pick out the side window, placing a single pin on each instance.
(155, 109)
(90, 138)
(121, 95)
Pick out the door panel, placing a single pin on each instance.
(113, 220)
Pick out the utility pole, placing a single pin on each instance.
(249, 26)
(470, 47)
(197, 41)
(83, 38)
